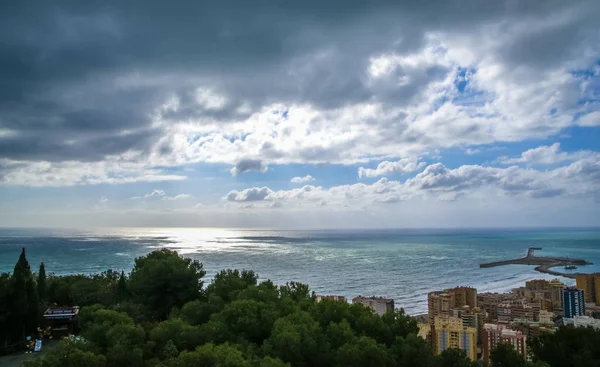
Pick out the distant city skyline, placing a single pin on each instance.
(337, 115)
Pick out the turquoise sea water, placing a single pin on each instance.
(402, 264)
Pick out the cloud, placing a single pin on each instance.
(246, 165)
(578, 179)
(547, 154)
(251, 194)
(589, 120)
(304, 179)
(404, 165)
(306, 84)
(56, 174)
(162, 195)
(178, 197)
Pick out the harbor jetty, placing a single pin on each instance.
(544, 263)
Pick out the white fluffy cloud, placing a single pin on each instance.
(304, 179)
(580, 178)
(162, 195)
(548, 154)
(404, 165)
(251, 194)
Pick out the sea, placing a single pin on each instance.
(403, 264)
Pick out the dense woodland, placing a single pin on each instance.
(162, 314)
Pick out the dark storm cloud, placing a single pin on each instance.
(246, 165)
(82, 79)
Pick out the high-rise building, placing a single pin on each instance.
(442, 302)
(489, 303)
(471, 317)
(379, 305)
(517, 309)
(463, 296)
(494, 334)
(450, 333)
(556, 294)
(574, 302)
(590, 284)
(585, 282)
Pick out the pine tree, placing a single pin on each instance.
(41, 283)
(122, 291)
(24, 301)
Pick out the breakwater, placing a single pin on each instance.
(544, 263)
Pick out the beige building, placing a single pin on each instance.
(471, 317)
(379, 305)
(556, 294)
(590, 284)
(508, 311)
(441, 303)
(489, 303)
(319, 298)
(450, 333)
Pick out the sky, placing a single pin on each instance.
(300, 114)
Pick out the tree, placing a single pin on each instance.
(246, 319)
(170, 350)
(41, 283)
(364, 351)
(163, 280)
(298, 339)
(455, 358)
(412, 351)
(6, 322)
(69, 353)
(228, 283)
(224, 355)
(504, 355)
(24, 310)
(568, 347)
(122, 293)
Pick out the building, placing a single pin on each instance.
(441, 303)
(471, 317)
(438, 304)
(574, 302)
(494, 334)
(463, 296)
(379, 305)
(61, 320)
(546, 317)
(583, 321)
(521, 309)
(556, 294)
(319, 298)
(489, 303)
(532, 329)
(450, 333)
(590, 284)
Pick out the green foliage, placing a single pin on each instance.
(160, 316)
(170, 350)
(455, 358)
(224, 355)
(69, 354)
(228, 283)
(504, 355)
(364, 351)
(299, 340)
(163, 280)
(41, 282)
(568, 346)
(122, 292)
